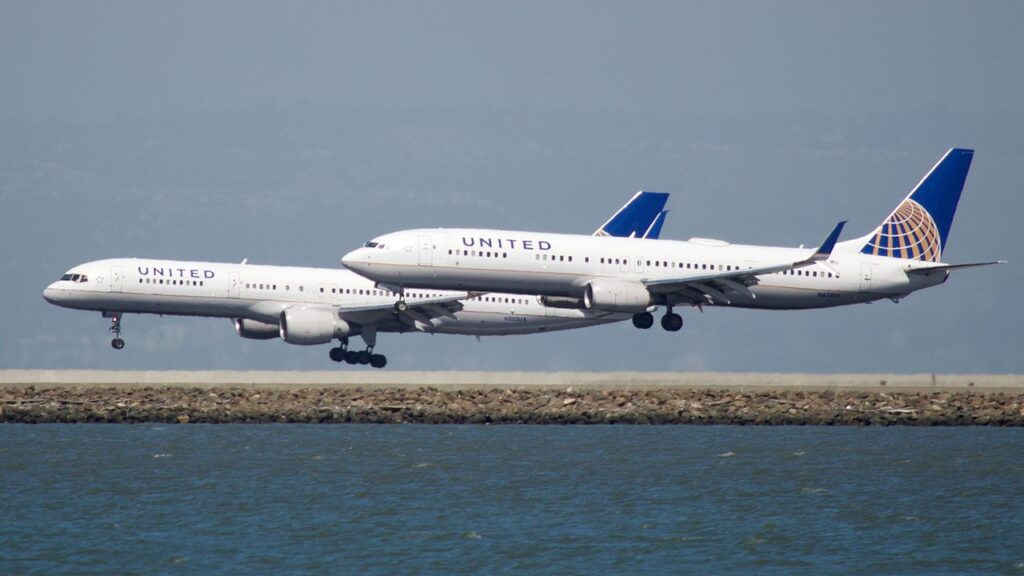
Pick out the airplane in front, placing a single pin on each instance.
(623, 275)
(308, 306)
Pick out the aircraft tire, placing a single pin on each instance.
(117, 343)
(363, 357)
(351, 357)
(401, 306)
(378, 361)
(337, 354)
(643, 320)
(672, 322)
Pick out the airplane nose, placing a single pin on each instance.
(51, 294)
(355, 260)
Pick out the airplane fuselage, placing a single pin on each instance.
(261, 293)
(563, 265)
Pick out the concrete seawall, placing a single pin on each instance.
(510, 398)
(467, 380)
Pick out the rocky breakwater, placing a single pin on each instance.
(511, 406)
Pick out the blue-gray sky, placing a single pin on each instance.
(289, 133)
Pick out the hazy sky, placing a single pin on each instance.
(288, 133)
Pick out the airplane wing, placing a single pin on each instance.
(418, 311)
(716, 285)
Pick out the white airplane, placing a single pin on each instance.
(625, 275)
(318, 305)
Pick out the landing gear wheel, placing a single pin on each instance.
(115, 328)
(401, 306)
(643, 320)
(337, 354)
(378, 361)
(363, 357)
(351, 357)
(672, 322)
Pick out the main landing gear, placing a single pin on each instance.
(343, 354)
(671, 321)
(643, 320)
(115, 328)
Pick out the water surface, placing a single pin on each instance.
(373, 499)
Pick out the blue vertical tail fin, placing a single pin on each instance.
(641, 217)
(654, 230)
(919, 227)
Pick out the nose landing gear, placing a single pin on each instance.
(115, 328)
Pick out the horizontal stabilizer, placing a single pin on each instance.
(930, 269)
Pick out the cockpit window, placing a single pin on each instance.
(83, 278)
(75, 278)
(370, 244)
(66, 277)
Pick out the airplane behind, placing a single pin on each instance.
(308, 306)
(900, 256)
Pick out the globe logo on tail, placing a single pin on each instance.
(910, 232)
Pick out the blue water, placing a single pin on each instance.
(292, 499)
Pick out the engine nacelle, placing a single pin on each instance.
(304, 326)
(256, 330)
(616, 296)
(562, 302)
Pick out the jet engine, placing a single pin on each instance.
(306, 326)
(256, 330)
(616, 296)
(562, 302)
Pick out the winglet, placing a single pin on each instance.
(825, 250)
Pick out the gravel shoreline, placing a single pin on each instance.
(428, 405)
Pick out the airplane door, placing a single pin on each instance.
(116, 279)
(865, 277)
(234, 286)
(639, 264)
(426, 251)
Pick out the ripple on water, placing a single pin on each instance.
(379, 499)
